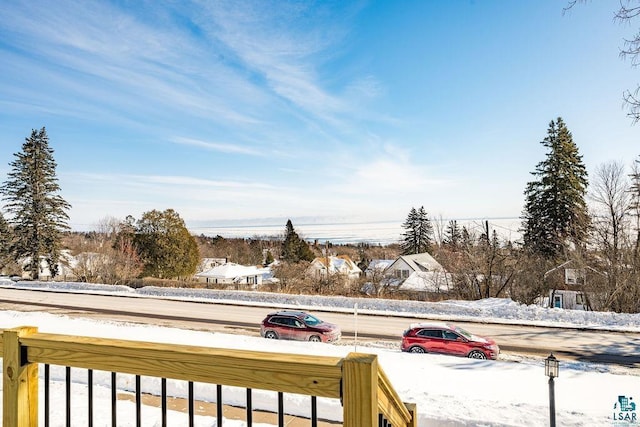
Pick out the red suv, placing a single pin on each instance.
(446, 338)
(298, 325)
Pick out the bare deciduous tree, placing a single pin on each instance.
(291, 276)
(629, 10)
(613, 239)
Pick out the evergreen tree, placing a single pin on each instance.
(37, 212)
(5, 243)
(294, 249)
(452, 235)
(166, 247)
(418, 236)
(268, 259)
(555, 216)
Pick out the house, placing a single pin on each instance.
(342, 265)
(419, 276)
(232, 275)
(404, 265)
(66, 263)
(567, 285)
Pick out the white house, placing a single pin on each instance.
(404, 265)
(342, 265)
(66, 263)
(419, 275)
(232, 274)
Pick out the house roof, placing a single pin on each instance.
(379, 264)
(335, 264)
(422, 262)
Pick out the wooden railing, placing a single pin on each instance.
(367, 395)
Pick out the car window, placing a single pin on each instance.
(464, 333)
(448, 335)
(430, 333)
(279, 321)
(311, 320)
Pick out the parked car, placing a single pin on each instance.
(298, 325)
(446, 338)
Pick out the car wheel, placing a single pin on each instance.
(475, 354)
(271, 335)
(416, 349)
(315, 338)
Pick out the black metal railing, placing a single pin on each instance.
(163, 404)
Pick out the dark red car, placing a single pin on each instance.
(298, 325)
(446, 338)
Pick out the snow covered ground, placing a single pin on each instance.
(449, 391)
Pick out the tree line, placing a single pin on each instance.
(565, 218)
(601, 239)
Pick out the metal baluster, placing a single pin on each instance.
(191, 408)
(114, 397)
(249, 409)
(138, 402)
(314, 411)
(164, 402)
(280, 409)
(90, 396)
(219, 407)
(68, 393)
(46, 394)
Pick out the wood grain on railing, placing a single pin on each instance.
(20, 382)
(389, 403)
(360, 390)
(292, 373)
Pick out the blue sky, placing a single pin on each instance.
(341, 111)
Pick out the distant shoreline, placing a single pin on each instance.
(375, 233)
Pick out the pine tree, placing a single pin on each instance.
(418, 236)
(268, 259)
(555, 216)
(5, 242)
(37, 212)
(294, 249)
(165, 245)
(452, 235)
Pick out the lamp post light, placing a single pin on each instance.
(552, 370)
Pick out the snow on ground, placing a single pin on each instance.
(449, 391)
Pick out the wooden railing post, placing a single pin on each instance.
(413, 410)
(20, 381)
(360, 390)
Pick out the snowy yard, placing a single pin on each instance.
(448, 391)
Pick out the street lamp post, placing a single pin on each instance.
(552, 370)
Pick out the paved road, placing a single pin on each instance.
(582, 345)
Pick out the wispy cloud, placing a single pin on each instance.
(216, 146)
(110, 57)
(137, 180)
(286, 44)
